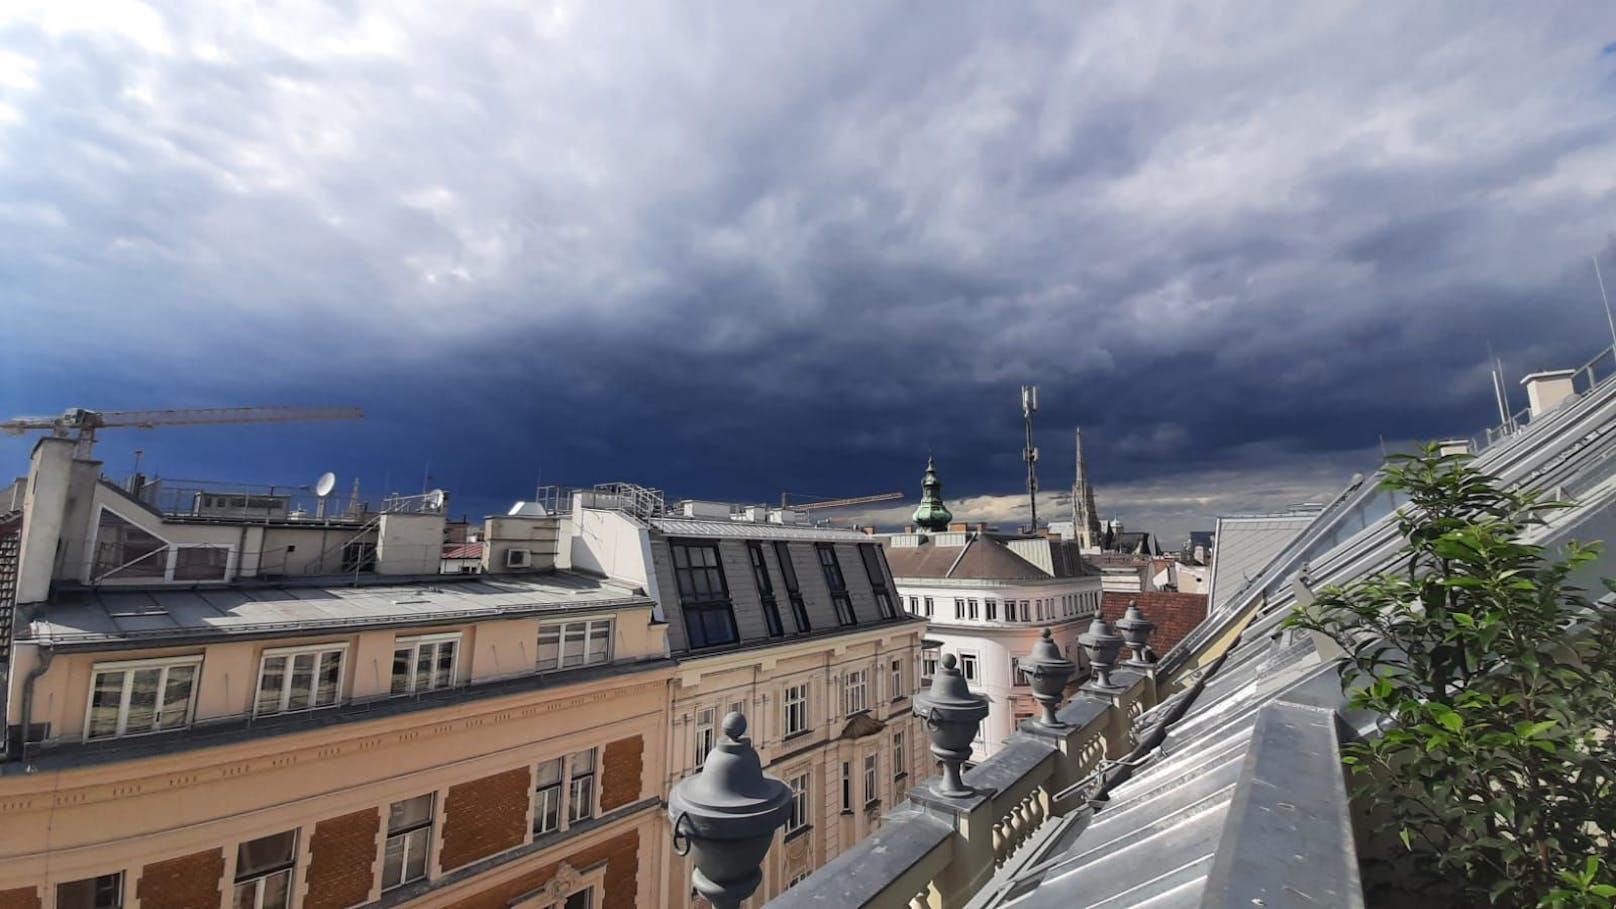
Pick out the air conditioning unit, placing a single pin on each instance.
(518, 558)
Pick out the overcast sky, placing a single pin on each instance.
(740, 248)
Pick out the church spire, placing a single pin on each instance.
(931, 514)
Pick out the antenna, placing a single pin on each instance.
(1495, 370)
(322, 488)
(1029, 406)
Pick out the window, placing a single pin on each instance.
(760, 574)
(104, 892)
(299, 679)
(875, 567)
(576, 643)
(799, 610)
(425, 663)
(971, 609)
(570, 780)
(409, 836)
(870, 795)
(123, 550)
(847, 788)
(583, 899)
(703, 595)
(1026, 615)
(928, 665)
(264, 872)
(959, 607)
(796, 709)
(992, 609)
(837, 584)
(931, 609)
(201, 563)
(858, 690)
(898, 692)
(914, 605)
(358, 556)
(798, 818)
(705, 721)
(967, 663)
(581, 789)
(547, 796)
(900, 763)
(140, 696)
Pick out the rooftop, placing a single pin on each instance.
(87, 616)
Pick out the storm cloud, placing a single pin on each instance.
(734, 249)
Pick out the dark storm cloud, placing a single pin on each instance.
(736, 249)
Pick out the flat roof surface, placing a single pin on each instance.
(120, 614)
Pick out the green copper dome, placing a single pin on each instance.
(931, 513)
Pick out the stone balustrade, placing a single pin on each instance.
(935, 851)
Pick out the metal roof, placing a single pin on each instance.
(755, 530)
(97, 616)
(1245, 545)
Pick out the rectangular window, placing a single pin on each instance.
(424, 663)
(581, 787)
(409, 836)
(123, 550)
(967, 663)
(582, 642)
(104, 892)
(832, 568)
(705, 721)
(875, 567)
(301, 678)
(858, 690)
(798, 818)
(201, 563)
(847, 788)
(931, 609)
(900, 762)
(581, 899)
(547, 797)
(788, 571)
(765, 588)
(928, 665)
(870, 795)
(971, 609)
(991, 607)
(358, 556)
(914, 605)
(264, 872)
(703, 595)
(959, 607)
(796, 709)
(898, 691)
(140, 696)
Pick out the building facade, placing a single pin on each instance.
(796, 626)
(190, 724)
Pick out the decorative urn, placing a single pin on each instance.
(1101, 644)
(1047, 672)
(726, 816)
(952, 714)
(1136, 631)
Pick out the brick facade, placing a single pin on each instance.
(188, 882)
(486, 816)
(621, 855)
(1175, 614)
(620, 772)
(21, 898)
(342, 861)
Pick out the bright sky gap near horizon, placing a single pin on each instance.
(730, 250)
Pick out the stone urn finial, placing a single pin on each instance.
(726, 816)
(1101, 644)
(1136, 631)
(1047, 672)
(952, 714)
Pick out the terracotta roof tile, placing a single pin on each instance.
(1175, 614)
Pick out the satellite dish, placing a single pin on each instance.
(326, 483)
(435, 499)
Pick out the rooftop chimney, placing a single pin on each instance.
(959, 526)
(1547, 390)
(1453, 446)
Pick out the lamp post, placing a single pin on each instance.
(726, 816)
(1101, 645)
(952, 714)
(1047, 672)
(1136, 631)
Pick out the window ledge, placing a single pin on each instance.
(872, 803)
(796, 833)
(847, 812)
(795, 735)
(900, 775)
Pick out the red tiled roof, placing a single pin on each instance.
(463, 551)
(1175, 614)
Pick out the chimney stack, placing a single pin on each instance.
(1547, 390)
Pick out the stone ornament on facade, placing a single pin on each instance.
(1136, 631)
(725, 818)
(952, 714)
(1047, 672)
(1101, 645)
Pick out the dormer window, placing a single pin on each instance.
(703, 595)
(141, 696)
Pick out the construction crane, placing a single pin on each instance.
(837, 503)
(80, 424)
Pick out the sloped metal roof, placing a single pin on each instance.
(755, 530)
(1245, 544)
